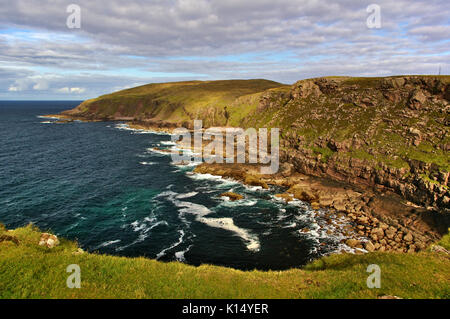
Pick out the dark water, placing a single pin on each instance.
(100, 184)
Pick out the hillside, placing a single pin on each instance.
(389, 132)
(32, 271)
(178, 103)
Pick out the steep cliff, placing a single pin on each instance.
(391, 133)
(386, 132)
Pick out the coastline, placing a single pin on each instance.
(380, 220)
(383, 139)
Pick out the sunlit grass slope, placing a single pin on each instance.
(176, 102)
(30, 271)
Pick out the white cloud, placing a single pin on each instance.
(123, 42)
(74, 90)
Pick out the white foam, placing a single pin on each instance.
(108, 243)
(242, 202)
(228, 224)
(180, 240)
(126, 127)
(137, 227)
(147, 163)
(48, 117)
(179, 255)
(225, 181)
(186, 195)
(154, 150)
(201, 211)
(192, 208)
(168, 143)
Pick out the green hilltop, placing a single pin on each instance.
(177, 102)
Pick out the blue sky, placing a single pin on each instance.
(122, 44)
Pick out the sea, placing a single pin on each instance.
(108, 187)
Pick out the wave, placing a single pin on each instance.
(228, 224)
(148, 163)
(107, 243)
(200, 212)
(186, 195)
(179, 255)
(126, 127)
(168, 143)
(180, 240)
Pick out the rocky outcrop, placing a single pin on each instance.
(389, 133)
(48, 240)
(379, 222)
(232, 196)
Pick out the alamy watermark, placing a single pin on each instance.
(74, 19)
(74, 280)
(374, 19)
(250, 146)
(374, 279)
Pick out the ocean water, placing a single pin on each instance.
(103, 185)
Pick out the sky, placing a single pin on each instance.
(50, 52)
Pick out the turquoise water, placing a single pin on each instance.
(101, 184)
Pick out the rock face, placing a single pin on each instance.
(48, 240)
(232, 196)
(389, 133)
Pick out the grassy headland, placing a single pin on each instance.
(28, 270)
(214, 102)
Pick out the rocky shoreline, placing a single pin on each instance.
(372, 149)
(381, 220)
(384, 221)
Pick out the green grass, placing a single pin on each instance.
(180, 101)
(31, 271)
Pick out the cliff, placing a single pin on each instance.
(389, 133)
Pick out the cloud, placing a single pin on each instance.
(137, 41)
(71, 90)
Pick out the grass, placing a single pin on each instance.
(180, 101)
(31, 271)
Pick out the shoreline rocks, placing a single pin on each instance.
(380, 222)
(232, 196)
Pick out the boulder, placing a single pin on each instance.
(439, 249)
(49, 240)
(417, 99)
(408, 237)
(369, 246)
(232, 196)
(379, 232)
(390, 232)
(352, 243)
